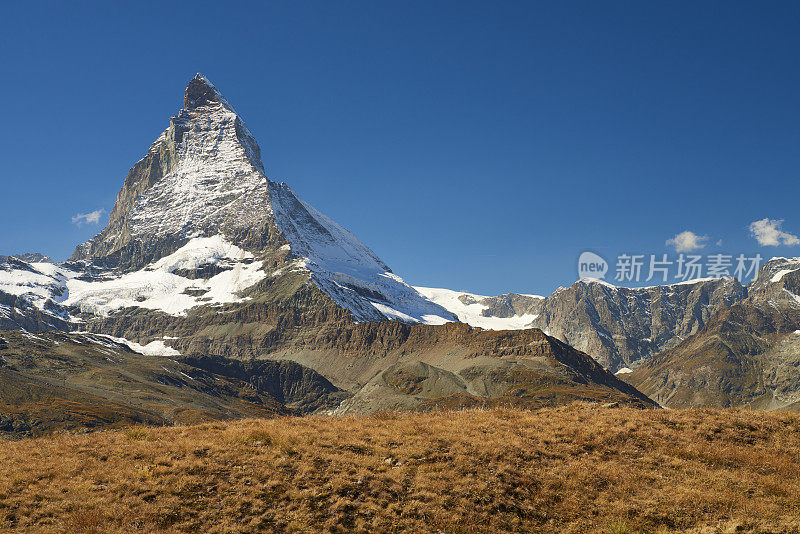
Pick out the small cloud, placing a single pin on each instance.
(88, 218)
(768, 233)
(687, 241)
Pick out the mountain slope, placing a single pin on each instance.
(746, 355)
(55, 381)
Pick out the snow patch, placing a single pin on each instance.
(156, 287)
(37, 283)
(471, 313)
(777, 277)
(393, 314)
(698, 281)
(28, 335)
(597, 281)
(199, 252)
(154, 348)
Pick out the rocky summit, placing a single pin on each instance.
(206, 261)
(203, 178)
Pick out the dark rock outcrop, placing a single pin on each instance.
(289, 383)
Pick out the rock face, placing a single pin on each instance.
(619, 327)
(34, 257)
(202, 176)
(746, 355)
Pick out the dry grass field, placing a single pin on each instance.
(580, 468)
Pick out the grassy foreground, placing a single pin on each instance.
(578, 468)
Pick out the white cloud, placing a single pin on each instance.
(88, 218)
(768, 233)
(687, 241)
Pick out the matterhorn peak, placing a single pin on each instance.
(202, 176)
(203, 179)
(201, 92)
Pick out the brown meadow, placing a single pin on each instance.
(580, 468)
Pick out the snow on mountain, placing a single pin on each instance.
(470, 309)
(780, 274)
(36, 282)
(693, 281)
(203, 177)
(193, 197)
(156, 287)
(342, 266)
(159, 287)
(773, 272)
(154, 348)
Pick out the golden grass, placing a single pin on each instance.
(580, 468)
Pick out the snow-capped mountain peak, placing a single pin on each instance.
(203, 177)
(201, 92)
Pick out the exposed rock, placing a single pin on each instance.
(512, 304)
(618, 326)
(17, 313)
(34, 257)
(746, 355)
(289, 383)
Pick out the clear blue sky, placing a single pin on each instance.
(473, 145)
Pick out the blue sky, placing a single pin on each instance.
(473, 145)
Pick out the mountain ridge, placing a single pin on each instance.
(618, 326)
(746, 354)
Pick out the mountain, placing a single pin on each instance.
(747, 354)
(207, 261)
(618, 326)
(203, 179)
(456, 366)
(33, 257)
(72, 381)
(28, 295)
